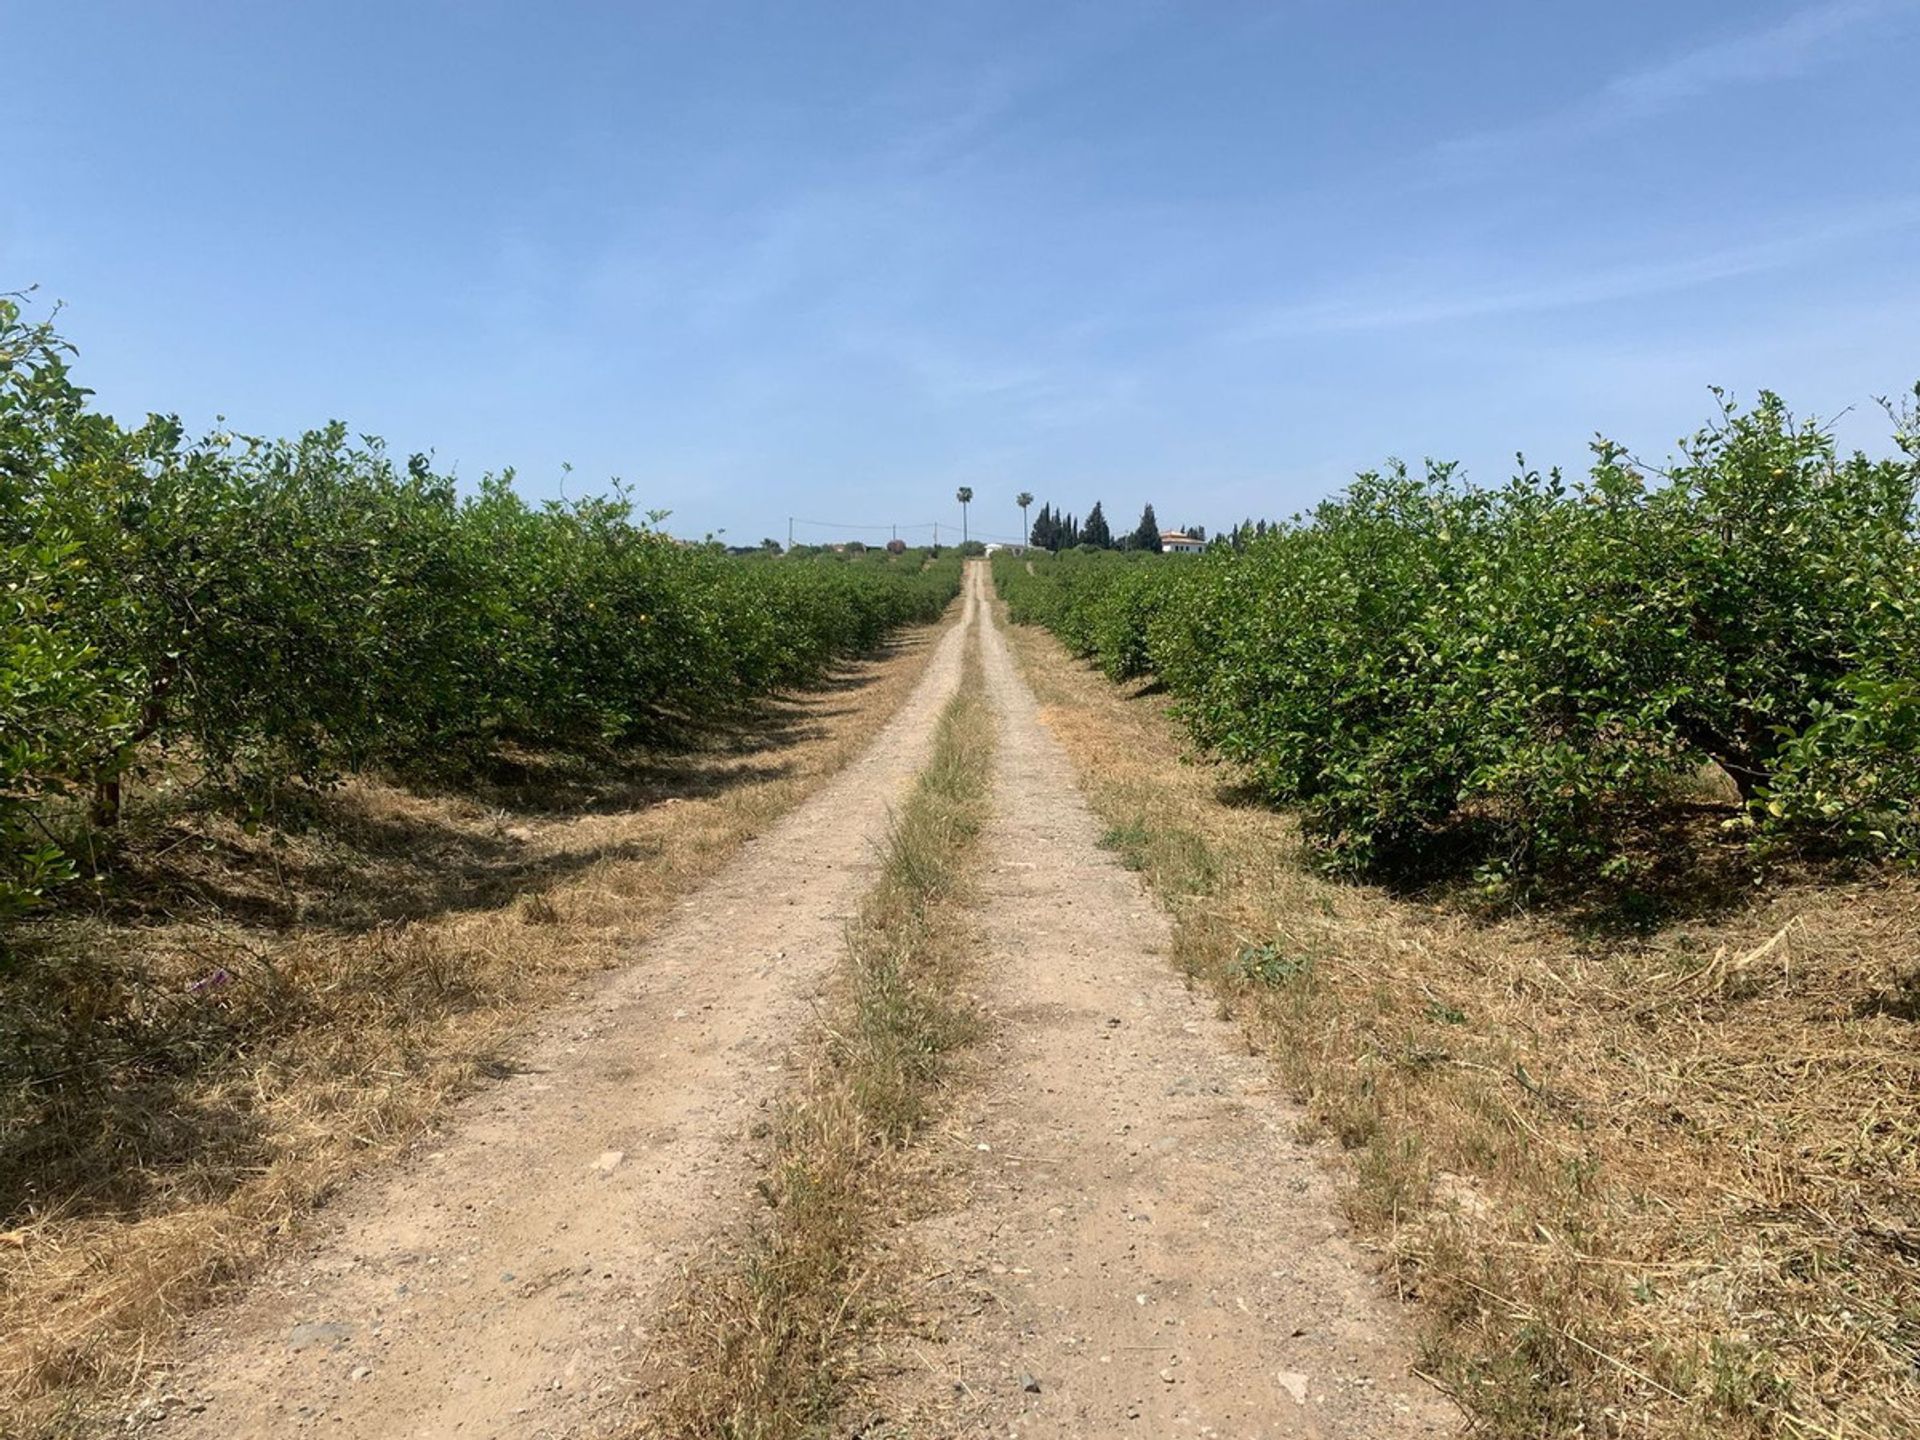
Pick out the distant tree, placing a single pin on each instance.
(1069, 533)
(972, 547)
(1023, 500)
(896, 547)
(1095, 531)
(770, 545)
(1052, 531)
(1146, 535)
(965, 496)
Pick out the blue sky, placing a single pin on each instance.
(834, 260)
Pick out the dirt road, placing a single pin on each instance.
(1146, 1251)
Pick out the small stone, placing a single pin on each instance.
(609, 1161)
(361, 1372)
(332, 1333)
(1166, 1376)
(1030, 1383)
(1295, 1384)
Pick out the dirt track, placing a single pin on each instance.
(1145, 1242)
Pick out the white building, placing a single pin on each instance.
(1178, 542)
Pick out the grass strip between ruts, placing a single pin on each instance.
(768, 1335)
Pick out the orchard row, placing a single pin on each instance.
(252, 614)
(1542, 678)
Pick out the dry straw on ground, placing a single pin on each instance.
(195, 1066)
(770, 1328)
(1652, 1182)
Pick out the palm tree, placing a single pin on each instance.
(1024, 499)
(965, 496)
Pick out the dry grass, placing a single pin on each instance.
(1659, 1185)
(250, 1019)
(771, 1328)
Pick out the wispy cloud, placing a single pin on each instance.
(928, 140)
(1788, 47)
(854, 250)
(1045, 385)
(824, 228)
(1803, 40)
(1374, 310)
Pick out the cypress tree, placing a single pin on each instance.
(1095, 531)
(1146, 535)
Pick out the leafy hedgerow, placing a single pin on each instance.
(284, 611)
(1524, 675)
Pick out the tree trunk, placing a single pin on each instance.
(106, 802)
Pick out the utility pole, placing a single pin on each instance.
(789, 532)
